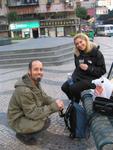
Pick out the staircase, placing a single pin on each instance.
(49, 56)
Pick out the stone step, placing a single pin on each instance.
(48, 49)
(55, 55)
(42, 58)
(37, 53)
(52, 63)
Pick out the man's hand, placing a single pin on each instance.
(98, 90)
(60, 104)
(84, 66)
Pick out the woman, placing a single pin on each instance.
(90, 65)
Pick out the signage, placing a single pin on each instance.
(48, 23)
(24, 25)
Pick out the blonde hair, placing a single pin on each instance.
(89, 44)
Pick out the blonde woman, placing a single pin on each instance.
(89, 63)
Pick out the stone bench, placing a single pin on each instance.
(101, 126)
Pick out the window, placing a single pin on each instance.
(30, 1)
(100, 29)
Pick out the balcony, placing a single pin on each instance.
(48, 5)
(17, 3)
(54, 8)
(23, 10)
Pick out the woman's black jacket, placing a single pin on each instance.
(96, 65)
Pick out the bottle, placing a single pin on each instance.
(70, 80)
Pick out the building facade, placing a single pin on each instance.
(97, 7)
(102, 6)
(106, 3)
(37, 18)
(90, 5)
(3, 19)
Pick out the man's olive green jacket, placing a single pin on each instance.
(29, 107)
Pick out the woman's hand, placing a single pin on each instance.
(84, 66)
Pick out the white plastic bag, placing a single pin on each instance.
(106, 87)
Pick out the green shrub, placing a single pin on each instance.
(72, 34)
(19, 38)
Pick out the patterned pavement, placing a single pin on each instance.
(56, 136)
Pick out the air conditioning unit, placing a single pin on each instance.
(67, 1)
(70, 3)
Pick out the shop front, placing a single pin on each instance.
(25, 29)
(58, 27)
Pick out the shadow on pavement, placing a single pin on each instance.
(53, 141)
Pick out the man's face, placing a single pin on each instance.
(36, 72)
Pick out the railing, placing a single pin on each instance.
(23, 3)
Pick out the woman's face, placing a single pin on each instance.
(80, 44)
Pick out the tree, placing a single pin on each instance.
(12, 17)
(81, 12)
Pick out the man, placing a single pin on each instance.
(29, 106)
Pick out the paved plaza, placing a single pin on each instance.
(56, 136)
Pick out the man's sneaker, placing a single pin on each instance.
(27, 139)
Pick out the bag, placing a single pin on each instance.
(104, 87)
(103, 106)
(76, 121)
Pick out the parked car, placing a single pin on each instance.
(104, 30)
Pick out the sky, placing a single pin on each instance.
(111, 5)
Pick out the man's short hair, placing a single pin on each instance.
(30, 63)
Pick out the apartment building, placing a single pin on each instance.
(106, 3)
(3, 19)
(39, 18)
(90, 5)
(97, 7)
(103, 6)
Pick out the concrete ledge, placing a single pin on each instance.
(53, 55)
(5, 41)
